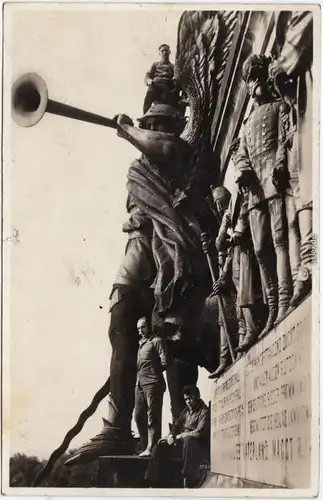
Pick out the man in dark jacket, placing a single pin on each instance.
(189, 440)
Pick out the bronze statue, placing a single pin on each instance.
(234, 241)
(164, 274)
(262, 165)
(293, 79)
(151, 229)
(225, 286)
(169, 185)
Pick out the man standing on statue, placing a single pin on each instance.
(262, 170)
(150, 387)
(160, 80)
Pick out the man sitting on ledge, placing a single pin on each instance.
(188, 440)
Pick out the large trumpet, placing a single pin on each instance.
(30, 102)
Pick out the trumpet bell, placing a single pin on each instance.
(29, 97)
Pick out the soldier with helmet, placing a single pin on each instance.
(262, 171)
(224, 284)
(237, 265)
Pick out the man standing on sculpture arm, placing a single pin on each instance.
(150, 387)
(189, 440)
(160, 80)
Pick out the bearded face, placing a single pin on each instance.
(256, 87)
(256, 82)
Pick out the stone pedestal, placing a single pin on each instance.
(261, 410)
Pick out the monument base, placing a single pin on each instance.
(261, 411)
(222, 481)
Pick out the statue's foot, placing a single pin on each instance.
(249, 340)
(224, 365)
(111, 441)
(145, 453)
(282, 313)
(302, 288)
(269, 325)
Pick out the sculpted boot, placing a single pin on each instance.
(225, 358)
(302, 287)
(242, 330)
(271, 294)
(284, 282)
(251, 336)
(303, 283)
(241, 339)
(111, 440)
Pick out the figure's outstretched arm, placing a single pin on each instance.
(160, 147)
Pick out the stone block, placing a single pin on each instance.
(261, 409)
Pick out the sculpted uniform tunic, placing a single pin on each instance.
(262, 149)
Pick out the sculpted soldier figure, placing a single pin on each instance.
(225, 286)
(234, 234)
(262, 166)
(163, 253)
(178, 282)
(292, 74)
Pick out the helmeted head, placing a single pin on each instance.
(255, 74)
(164, 52)
(163, 118)
(221, 198)
(191, 395)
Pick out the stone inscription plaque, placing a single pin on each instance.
(272, 440)
(228, 407)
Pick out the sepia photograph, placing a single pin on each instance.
(160, 286)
